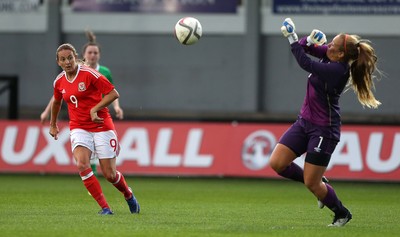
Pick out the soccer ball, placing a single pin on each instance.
(188, 30)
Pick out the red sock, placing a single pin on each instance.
(93, 186)
(121, 185)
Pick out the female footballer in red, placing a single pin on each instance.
(87, 94)
(91, 53)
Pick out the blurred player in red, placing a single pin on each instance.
(87, 94)
(91, 53)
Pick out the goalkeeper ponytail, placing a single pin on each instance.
(362, 59)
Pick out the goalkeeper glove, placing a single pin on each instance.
(316, 37)
(288, 30)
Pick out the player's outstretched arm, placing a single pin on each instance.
(316, 37)
(55, 110)
(288, 29)
(119, 113)
(46, 112)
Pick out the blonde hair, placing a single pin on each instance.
(362, 59)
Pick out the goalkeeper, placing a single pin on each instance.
(347, 60)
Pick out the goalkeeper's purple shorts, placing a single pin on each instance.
(318, 141)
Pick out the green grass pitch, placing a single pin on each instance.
(34, 205)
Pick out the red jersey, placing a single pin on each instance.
(81, 95)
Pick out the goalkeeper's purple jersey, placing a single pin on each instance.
(325, 84)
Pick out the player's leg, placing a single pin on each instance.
(108, 167)
(314, 169)
(117, 179)
(90, 181)
(81, 154)
(107, 149)
(93, 163)
(319, 203)
(282, 162)
(313, 179)
(292, 144)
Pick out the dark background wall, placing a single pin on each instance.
(242, 68)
